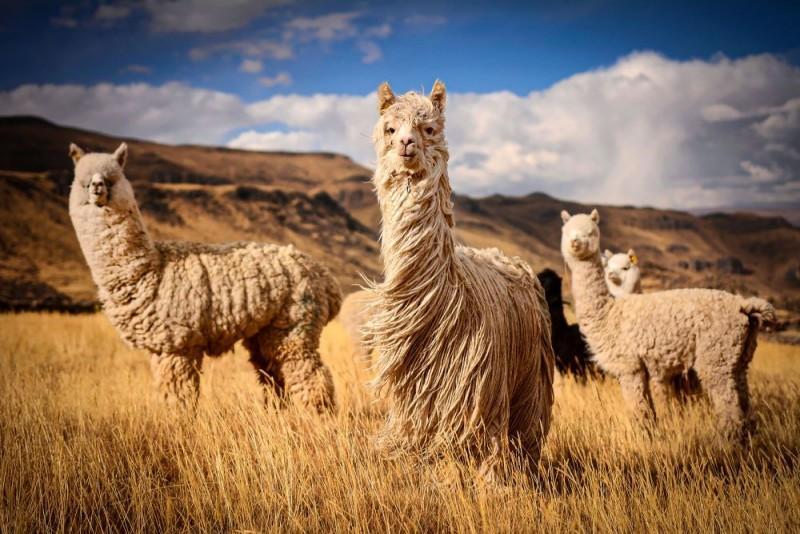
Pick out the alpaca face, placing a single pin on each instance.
(99, 179)
(580, 235)
(622, 272)
(409, 135)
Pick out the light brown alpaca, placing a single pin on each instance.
(181, 301)
(645, 340)
(462, 335)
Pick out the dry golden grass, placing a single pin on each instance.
(84, 445)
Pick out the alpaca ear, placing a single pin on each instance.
(438, 95)
(632, 257)
(76, 153)
(607, 254)
(564, 216)
(595, 216)
(121, 154)
(385, 97)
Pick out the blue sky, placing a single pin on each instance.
(516, 46)
(538, 89)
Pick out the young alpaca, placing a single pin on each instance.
(570, 348)
(646, 340)
(622, 273)
(463, 335)
(180, 300)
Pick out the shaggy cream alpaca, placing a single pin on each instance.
(462, 335)
(622, 273)
(180, 301)
(646, 340)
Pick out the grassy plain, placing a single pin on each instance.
(84, 445)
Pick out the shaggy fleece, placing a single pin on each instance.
(462, 335)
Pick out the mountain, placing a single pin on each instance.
(324, 204)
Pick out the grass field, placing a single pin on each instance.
(84, 445)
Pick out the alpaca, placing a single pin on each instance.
(353, 317)
(181, 300)
(623, 277)
(622, 273)
(645, 340)
(571, 351)
(462, 335)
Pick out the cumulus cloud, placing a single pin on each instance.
(282, 78)
(645, 130)
(172, 113)
(297, 141)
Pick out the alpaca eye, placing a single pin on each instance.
(429, 130)
(390, 130)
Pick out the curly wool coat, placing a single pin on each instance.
(647, 339)
(181, 300)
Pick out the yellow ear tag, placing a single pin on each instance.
(634, 259)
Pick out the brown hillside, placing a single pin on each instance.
(325, 205)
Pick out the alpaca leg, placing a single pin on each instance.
(266, 370)
(726, 385)
(636, 394)
(730, 399)
(177, 378)
(662, 392)
(296, 366)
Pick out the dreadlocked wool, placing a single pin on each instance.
(462, 335)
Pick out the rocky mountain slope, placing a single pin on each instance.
(325, 205)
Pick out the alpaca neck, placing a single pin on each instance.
(589, 291)
(417, 244)
(117, 248)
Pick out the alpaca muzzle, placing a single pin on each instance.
(98, 192)
(615, 279)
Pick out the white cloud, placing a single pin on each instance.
(370, 51)
(282, 78)
(331, 27)
(204, 15)
(294, 141)
(262, 48)
(381, 31)
(646, 130)
(172, 113)
(251, 65)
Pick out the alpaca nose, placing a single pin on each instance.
(406, 140)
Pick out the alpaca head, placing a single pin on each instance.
(409, 136)
(580, 236)
(99, 179)
(621, 272)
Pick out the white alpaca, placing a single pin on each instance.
(646, 340)
(462, 335)
(180, 300)
(622, 273)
